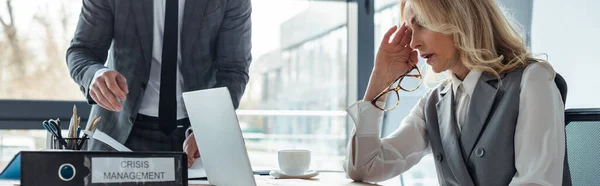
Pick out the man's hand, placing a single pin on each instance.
(191, 149)
(107, 87)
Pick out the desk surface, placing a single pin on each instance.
(323, 179)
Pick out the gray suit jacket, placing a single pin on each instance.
(215, 51)
(483, 153)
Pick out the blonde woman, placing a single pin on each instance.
(498, 120)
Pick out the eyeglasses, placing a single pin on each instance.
(399, 85)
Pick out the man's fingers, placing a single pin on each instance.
(100, 99)
(122, 82)
(197, 154)
(190, 157)
(190, 148)
(190, 162)
(109, 96)
(187, 148)
(97, 99)
(111, 83)
(94, 97)
(192, 154)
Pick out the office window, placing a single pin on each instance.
(13, 141)
(387, 14)
(574, 55)
(34, 36)
(303, 52)
(296, 97)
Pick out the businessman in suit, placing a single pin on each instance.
(160, 48)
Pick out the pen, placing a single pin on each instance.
(89, 129)
(78, 131)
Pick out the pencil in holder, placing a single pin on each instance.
(69, 143)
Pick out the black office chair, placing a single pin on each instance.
(583, 145)
(562, 88)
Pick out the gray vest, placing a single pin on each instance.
(483, 153)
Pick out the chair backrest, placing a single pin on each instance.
(583, 145)
(562, 86)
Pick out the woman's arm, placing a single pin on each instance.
(373, 159)
(369, 157)
(540, 130)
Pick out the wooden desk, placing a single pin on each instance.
(323, 179)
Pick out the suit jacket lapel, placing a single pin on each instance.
(449, 137)
(144, 15)
(193, 17)
(482, 101)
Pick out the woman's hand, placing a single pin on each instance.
(393, 59)
(396, 57)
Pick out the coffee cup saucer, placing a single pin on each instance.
(281, 175)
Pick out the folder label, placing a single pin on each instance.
(120, 170)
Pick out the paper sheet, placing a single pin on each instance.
(197, 170)
(106, 139)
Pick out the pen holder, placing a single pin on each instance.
(72, 143)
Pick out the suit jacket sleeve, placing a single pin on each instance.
(233, 49)
(89, 46)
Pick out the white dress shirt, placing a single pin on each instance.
(149, 105)
(462, 94)
(539, 134)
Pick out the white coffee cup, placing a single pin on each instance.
(294, 162)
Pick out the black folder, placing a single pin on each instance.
(94, 168)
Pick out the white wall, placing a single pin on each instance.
(569, 32)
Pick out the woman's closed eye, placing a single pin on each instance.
(415, 24)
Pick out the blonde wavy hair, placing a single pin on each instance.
(485, 38)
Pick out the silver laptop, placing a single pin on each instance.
(219, 137)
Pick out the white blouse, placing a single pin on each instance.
(539, 134)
